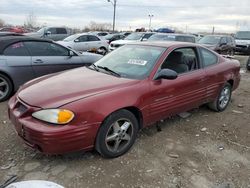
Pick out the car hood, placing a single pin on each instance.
(62, 88)
(34, 34)
(123, 41)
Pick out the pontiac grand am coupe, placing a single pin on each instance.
(104, 105)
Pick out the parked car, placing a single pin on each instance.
(164, 30)
(125, 33)
(12, 29)
(99, 33)
(53, 33)
(242, 39)
(248, 64)
(172, 37)
(23, 58)
(86, 42)
(134, 37)
(113, 37)
(103, 106)
(222, 44)
(4, 34)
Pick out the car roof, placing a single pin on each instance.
(8, 40)
(175, 34)
(165, 44)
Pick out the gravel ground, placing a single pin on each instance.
(205, 150)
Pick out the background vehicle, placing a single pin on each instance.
(53, 33)
(222, 44)
(99, 33)
(242, 39)
(164, 30)
(12, 29)
(133, 37)
(85, 42)
(125, 33)
(23, 58)
(130, 88)
(112, 37)
(172, 37)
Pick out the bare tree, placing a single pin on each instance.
(1, 23)
(93, 26)
(31, 20)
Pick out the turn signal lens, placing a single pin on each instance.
(55, 116)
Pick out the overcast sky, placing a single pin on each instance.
(193, 15)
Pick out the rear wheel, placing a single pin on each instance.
(6, 88)
(222, 101)
(117, 134)
(102, 51)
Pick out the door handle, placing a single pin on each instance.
(38, 61)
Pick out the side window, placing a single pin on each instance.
(93, 38)
(208, 58)
(146, 36)
(83, 38)
(46, 49)
(52, 30)
(182, 60)
(17, 49)
(61, 31)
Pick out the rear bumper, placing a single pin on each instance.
(47, 138)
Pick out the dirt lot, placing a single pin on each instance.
(205, 150)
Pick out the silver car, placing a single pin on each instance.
(23, 58)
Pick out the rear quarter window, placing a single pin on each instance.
(208, 58)
(61, 31)
(17, 49)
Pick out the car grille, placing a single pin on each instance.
(241, 46)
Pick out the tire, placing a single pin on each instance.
(102, 50)
(6, 88)
(223, 99)
(117, 134)
(248, 64)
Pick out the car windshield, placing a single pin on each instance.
(108, 37)
(132, 61)
(70, 38)
(134, 36)
(159, 37)
(209, 40)
(243, 35)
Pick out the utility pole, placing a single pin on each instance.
(150, 20)
(113, 2)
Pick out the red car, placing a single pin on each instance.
(103, 106)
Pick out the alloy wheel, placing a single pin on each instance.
(4, 88)
(224, 97)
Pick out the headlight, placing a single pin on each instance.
(56, 116)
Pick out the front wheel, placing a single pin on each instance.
(248, 64)
(222, 101)
(117, 134)
(102, 51)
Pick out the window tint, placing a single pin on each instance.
(61, 31)
(46, 49)
(208, 57)
(181, 60)
(17, 49)
(93, 38)
(52, 30)
(223, 40)
(146, 36)
(83, 38)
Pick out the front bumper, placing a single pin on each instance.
(243, 49)
(47, 138)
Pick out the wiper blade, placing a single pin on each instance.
(109, 70)
(94, 67)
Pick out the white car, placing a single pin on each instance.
(133, 37)
(86, 42)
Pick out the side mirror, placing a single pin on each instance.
(166, 74)
(76, 40)
(48, 33)
(71, 53)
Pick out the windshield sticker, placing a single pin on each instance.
(137, 62)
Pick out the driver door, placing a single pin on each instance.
(170, 97)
